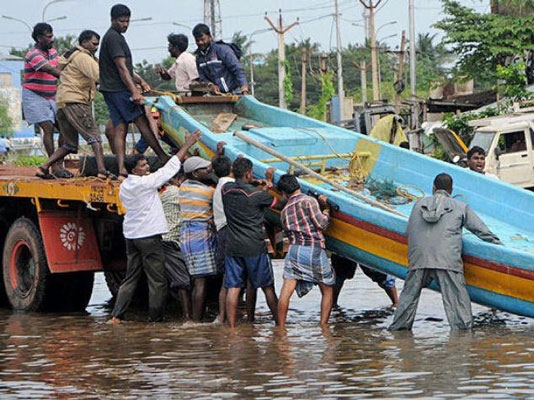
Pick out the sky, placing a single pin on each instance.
(147, 38)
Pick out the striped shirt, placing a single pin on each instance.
(171, 208)
(303, 221)
(196, 201)
(41, 83)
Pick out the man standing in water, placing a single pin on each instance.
(246, 253)
(143, 225)
(118, 85)
(435, 253)
(306, 263)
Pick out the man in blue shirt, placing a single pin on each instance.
(218, 64)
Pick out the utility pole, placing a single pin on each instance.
(280, 30)
(212, 17)
(340, 92)
(372, 37)
(399, 81)
(362, 66)
(303, 82)
(415, 122)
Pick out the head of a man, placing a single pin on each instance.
(476, 159)
(242, 168)
(120, 17)
(288, 185)
(177, 44)
(198, 169)
(443, 182)
(137, 164)
(43, 35)
(202, 35)
(89, 40)
(222, 166)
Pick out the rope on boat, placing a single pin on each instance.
(326, 141)
(317, 176)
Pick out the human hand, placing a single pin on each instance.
(145, 87)
(244, 89)
(192, 138)
(220, 148)
(323, 201)
(269, 174)
(137, 98)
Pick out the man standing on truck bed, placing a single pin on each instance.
(143, 225)
(76, 90)
(118, 85)
(217, 63)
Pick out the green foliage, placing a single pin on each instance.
(318, 110)
(100, 109)
(6, 128)
(288, 85)
(29, 161)
(514, 79)
(483, 41)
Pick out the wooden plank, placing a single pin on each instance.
(222, 122)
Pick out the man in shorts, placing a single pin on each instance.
(246, 254)
(118, 85)
(39, 85)
(76, 90)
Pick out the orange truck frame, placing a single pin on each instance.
(54, 234)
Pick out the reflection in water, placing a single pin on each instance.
(73, 356)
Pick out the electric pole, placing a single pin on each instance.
(399, 81)
(303, 82)
(371, 6)
(340, 92)
(212, 17)
(280, 30)
(415, 122)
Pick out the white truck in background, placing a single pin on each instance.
(509, 144)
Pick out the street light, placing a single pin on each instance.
(57, 19)
(18, 20)
(386, 24)
(182, 25)
(251, 57)
(49, 4)
(141, 19)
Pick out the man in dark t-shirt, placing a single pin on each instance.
(246, 253)
(118, 85)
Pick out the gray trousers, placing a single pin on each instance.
(146, 255)
(453, 290)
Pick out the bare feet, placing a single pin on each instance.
(114, 321)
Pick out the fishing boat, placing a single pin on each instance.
(374, 186)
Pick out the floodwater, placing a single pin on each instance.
(80, 356)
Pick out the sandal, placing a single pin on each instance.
(43, 173)
(106, 175)
(63, 173)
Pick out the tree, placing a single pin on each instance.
(483, 41)
(6, 128)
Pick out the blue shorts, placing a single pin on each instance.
(121, 108)
(258, 270)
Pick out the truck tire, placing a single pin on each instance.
(87, 165)
(26, 273)
(71, 292)
(4, 226)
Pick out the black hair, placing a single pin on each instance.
(222, 166)
(443, 182)
(405, 145)
(201, 29)
(179, 41)
(40, 29)
(120, 10)
(474, 150)
(241, 166)
(131, 161)
(288, 184)
(87, 35)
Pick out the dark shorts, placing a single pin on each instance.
(258, 270)
(77, 119)
(121, 108)
(220, 255)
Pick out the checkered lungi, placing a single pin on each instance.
(199, 245)
(309, 265)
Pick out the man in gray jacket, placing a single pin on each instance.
(435, 253)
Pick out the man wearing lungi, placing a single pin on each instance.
(246, 253)
(306, 264)
(197, 237)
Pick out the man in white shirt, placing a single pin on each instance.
(184, 70)
(143, 225)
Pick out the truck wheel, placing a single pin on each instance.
(71, 292)
(26, 274)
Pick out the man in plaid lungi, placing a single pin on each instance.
(304, 218)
